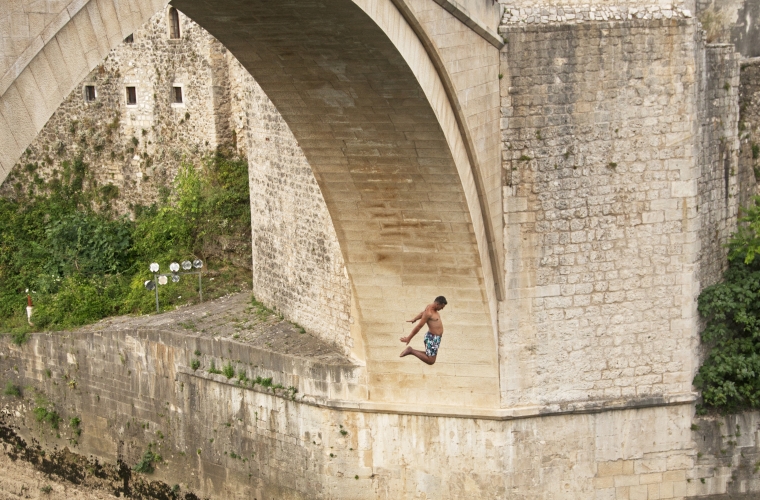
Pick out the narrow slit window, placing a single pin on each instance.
(173, 23)
(129, 39)
(177, 95)
(89, 93)
(131, 96)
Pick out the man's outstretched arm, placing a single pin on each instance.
(418, 317)
(423, 320)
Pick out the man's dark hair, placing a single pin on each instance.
(441, 300)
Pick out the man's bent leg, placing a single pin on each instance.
(419, 355)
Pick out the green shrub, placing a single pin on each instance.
(83, 263)
(12, 390)
(228, 370)
(75, 424)
(729, 377)
(42, 414)
(145, 465)
(195, 364)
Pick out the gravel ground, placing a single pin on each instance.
(19, 479)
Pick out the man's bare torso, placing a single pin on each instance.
(434, 323)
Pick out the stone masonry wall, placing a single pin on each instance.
(718, 157)
(749, 130)
(600, 123)
(297, 262)
(139, 148)
(221, 440)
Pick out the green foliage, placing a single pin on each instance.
(12, 390)
(19, 337)
(195, 364)
(730, 375)
(228, 370)
(745, 243)
(145, 465)
(62, 241)
(261, 311)
(213, 369)
(75, 424)
(755, 151)
(42, 414)
(264, 382)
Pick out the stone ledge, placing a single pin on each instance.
(574, 15)
(460, 12)
(459, 412)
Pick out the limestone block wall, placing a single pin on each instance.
(21, 22)
(139, 148)
(749, 130)
(599, 127)
(718, 158)
(297, 263)
(221, 440)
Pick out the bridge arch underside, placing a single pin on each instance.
(391, 176)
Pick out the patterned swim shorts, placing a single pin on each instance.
(432, 343)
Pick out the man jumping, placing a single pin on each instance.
(432, 337)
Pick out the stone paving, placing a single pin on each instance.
(232, 317)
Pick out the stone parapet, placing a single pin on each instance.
(574, 13)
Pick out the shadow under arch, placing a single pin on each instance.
(356, 88)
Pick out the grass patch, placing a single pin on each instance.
(12, 390)
(20, 337)
(195, 364)
(75, 424)
(261, 311)
(228, 370)
(213, 369)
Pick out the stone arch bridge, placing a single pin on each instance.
(395, 104)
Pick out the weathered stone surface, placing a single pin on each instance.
(615, 175)
(616, 201)
(224, 440)
(749, 130)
